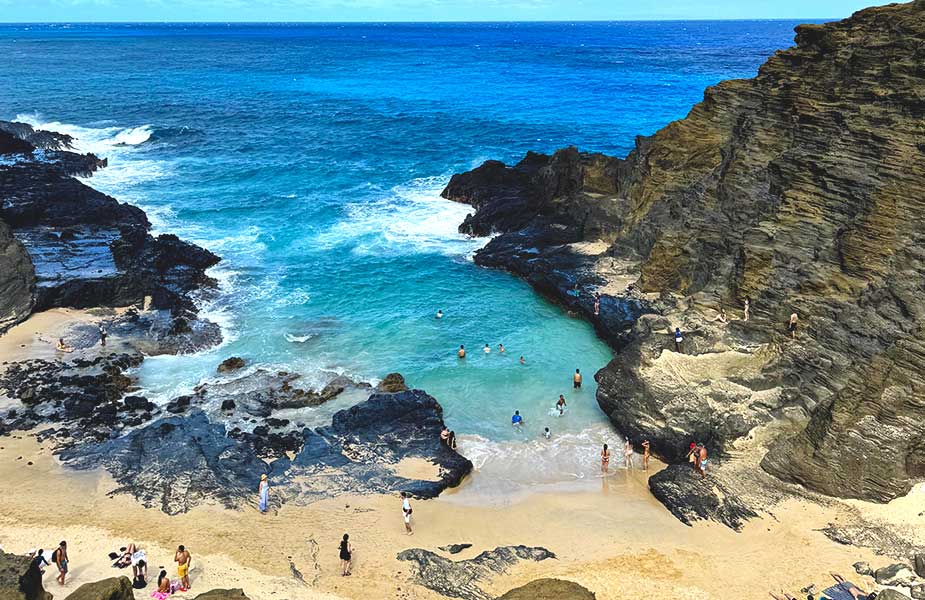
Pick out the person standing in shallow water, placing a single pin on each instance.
(576, 379)
(605, 459)
(461, 353)
(792, 325)
(263, 493)
(628, 454)
(678, 340)
(645, 455)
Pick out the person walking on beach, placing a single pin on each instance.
(346, 555)
(576, 379)
(60, 558)
(747, 308)
(517, 420)
(645, 455)
(263, 493)
(628, 454)
(183, 559)
(792, 325)
(702, 462)
(678, 340)
(103, 335)
(605, 459)
(462, 351)
(406, 512)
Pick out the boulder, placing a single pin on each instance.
(863, 568)
(17, 280)
(231, 364)
(18, 581)
(918, 591)
(392, 383)
(549, 589)
(891, 594)
(114, 588)
(894, 575)
(919, 564)
(232, 594)
(691, 498)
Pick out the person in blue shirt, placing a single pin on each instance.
(678, 340)
(517, 420)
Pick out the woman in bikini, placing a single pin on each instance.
(605, 459)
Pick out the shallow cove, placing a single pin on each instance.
(311, 158)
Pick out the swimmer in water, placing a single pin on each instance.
(522, 361)
(576, 379)
(546, 433)
(439, 314)
(501, 348)
(462, 351)
(560, 405)
(486, 349)
(517, 420)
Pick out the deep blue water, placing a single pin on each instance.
(311, 158)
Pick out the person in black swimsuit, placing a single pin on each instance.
(346, 555)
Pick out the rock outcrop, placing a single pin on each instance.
(802, 189)
(19, 580)
(113, 588)
(549, 589)
(232, 594)
(460, 579)
(17, 280)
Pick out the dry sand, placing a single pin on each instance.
(610, 535)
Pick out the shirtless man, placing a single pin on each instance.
(462, 351)
(560, 405)
(702, 463)
(60, 558)
(183, 560)
(576, 379)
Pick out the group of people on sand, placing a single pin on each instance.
(129, 556)
(839, 590)
(627, 456)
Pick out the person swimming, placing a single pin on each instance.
(461, 353)
(560, 405)
(486, 349)
(517, 420)
(546, 433)
(522, 361)
(501, 348)
(439, 314)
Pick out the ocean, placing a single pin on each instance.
(311, 158)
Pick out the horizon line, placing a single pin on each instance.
(426, 22)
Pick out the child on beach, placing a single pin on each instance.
(517, 420)
(60, 558)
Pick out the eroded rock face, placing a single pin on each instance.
(232, 594)
(18, 581)
(460, 579)
(690, 498)
(17, 280)
(801, 188)
(114, 588)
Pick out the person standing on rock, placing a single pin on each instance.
(451, 441)
(183, 559)
(645, 455)
(792, 325)
(406, 512)
(263, 493)
(59, 557)
(445, 436)
(678, 340)
(692, 455)
(462, 351)
(576, 379)
(103, 335)
(346, 555)
(597, 304)
(605, 460)
(702, 461)
(748, 306)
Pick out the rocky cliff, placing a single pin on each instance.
(802, 189)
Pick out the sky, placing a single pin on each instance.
(21, 11)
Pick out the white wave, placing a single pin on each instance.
(298, 339)
(412, 219)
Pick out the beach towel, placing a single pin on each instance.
(160, 595)
(839, 592)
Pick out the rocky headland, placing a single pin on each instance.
(801, 190)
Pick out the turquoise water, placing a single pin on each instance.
(311, 158)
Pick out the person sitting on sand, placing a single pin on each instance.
(517, 420)
(546, 433)
(645, 455)
(856, 592)
(62, 347)
(462, 351)
(486, 349)
(439, 314)
(501, 348)
(628, 454)
(183, 559)
(164, 588)
(560, 405)
(792, 325)
(605, 459)
(346, 556)
(576, 379)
